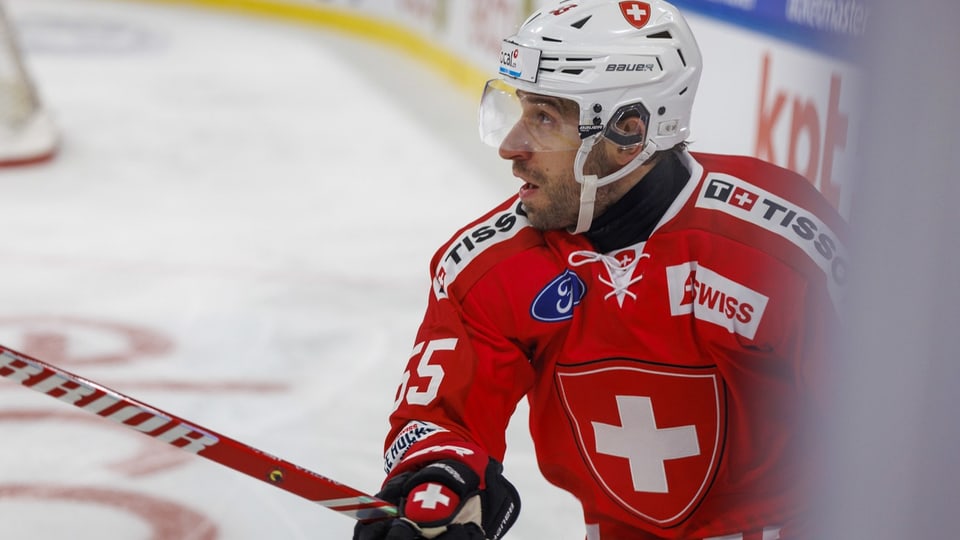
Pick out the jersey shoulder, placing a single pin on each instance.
(495, 237)
(755, 181)
(773, 210)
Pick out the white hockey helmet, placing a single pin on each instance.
(614, 59)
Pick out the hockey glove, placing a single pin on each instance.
(443, 501)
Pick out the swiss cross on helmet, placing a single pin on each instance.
(615, 60)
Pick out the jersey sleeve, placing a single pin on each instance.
(465, 374)
(458, 392)
(785, 217)
(819, 353)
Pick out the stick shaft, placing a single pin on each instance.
(189, 437)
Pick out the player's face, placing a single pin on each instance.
(543, 145)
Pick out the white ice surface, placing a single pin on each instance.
(237, 230)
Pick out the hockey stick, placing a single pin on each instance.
(102, 401)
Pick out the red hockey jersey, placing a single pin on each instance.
(669, 382)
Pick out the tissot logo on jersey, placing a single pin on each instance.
(713, 298)
(745, 201)
(496, 229)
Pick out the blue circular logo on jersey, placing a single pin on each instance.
(556, 301)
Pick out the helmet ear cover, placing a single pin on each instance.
(628, 125)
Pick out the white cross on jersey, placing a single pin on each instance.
(743, 198)
(431, 497)
(646, 447)
(637, 12)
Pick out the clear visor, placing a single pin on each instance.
(515, 120)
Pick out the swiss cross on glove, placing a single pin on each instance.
(444, 501)
(442, 494)
(430, 502)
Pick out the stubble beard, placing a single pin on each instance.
(562, 193)
(562, 206)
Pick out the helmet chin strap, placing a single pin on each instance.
(590, 182)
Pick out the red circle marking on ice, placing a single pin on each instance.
(50, 338)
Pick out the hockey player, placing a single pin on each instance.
(665, 312)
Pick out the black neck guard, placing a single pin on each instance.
(633, 217)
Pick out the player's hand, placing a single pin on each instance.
(444, 501)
